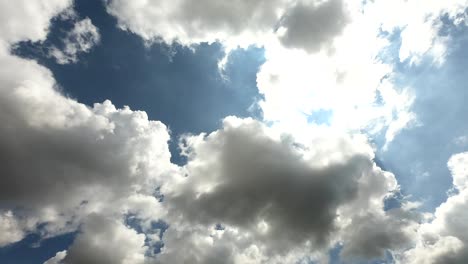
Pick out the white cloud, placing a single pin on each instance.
(58, 258)
(80, 39)
(232, 22)
(106, 241)
(9, 228)
(28, 19)
(458, 165)
(419, 24)
(445, 238)
(280, 194)
(320, 55)
(62, 160)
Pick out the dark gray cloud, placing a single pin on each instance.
(369, 236)
(243, 178)
(106, 241)
(311, 26)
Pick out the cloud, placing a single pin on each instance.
(343, 69)
(58, 258)
(59, 153)
(62, 160)
(445, 239)
(250, 193)
(305, 24)
(80, 39)
(106, 241)
(10, 229)
(420, 26)
(312, 25)
(14, 28)
(279, 196)
(205, 21)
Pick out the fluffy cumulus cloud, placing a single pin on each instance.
(10, 229)
(63, 161)
(445, 238)
(14, 28)
(80, 39)
(61, 156)
(285, 192)
(106, 241)
(320, 55)
(311, 25)
(268, 192)
(233, 22)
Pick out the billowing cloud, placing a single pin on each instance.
(445, 238)
(345, 69)
(250, 192)
(80, 39)
(311, 25)
(106, 241)
(59, 154)
(10, 229)
(26, 20)
(63, 160)
(267, 191)
(303, 24)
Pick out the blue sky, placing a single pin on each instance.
(323, 132)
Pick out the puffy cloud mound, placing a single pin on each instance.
(270, 193)
(106, 241)
(445, 238)
(312, 25)
(10, 229)
(62, 160)
(26, 20)
(61, 155)
(306, 24)
(250, 193)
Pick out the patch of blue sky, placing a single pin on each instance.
(156, 227)
(33, 250)
(334, 257)
(418, 155)
(320, 117)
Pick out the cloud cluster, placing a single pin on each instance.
(62, 161)
(80, 39)
(233, 22)
(249, 193)
(445, 238)
(330, 55)
(310, 26)
(280, 195)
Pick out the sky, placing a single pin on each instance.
(213, 131)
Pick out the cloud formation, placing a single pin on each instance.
(62, 160)
(281, 195)
(303, 24)
(311, 25)
(445, 238)
(80, 39)
(249, 193)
